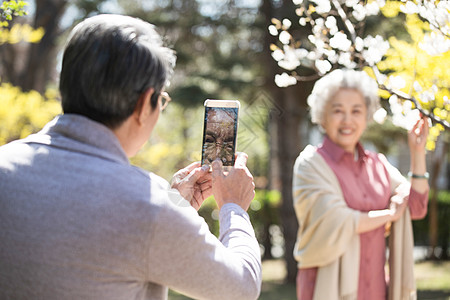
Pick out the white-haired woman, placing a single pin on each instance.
(345, 197)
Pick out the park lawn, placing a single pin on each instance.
(432, 279)
(433, 275)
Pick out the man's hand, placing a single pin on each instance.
(235, 187)
(194, 183)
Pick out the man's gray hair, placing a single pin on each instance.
(108, 62)
(326, 87)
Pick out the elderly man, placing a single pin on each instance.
(79, 222)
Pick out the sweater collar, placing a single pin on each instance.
(78, 133)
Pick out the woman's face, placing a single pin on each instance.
(345, 118)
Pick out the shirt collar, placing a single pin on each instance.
(337, 153)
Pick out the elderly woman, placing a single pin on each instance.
(345, 198)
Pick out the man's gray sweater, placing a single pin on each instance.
(77, 221)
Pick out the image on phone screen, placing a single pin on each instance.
(219, 135)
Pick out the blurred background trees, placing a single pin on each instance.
(238, 49)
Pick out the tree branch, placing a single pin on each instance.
(407, 97)
(344, 18)
(424, 112)
(308, 78)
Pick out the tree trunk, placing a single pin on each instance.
(290, 142)
(41, 58)
(289, 137)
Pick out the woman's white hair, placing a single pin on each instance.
(326, 87)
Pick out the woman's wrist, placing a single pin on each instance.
(421, 175)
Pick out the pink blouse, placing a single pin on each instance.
(365, 185)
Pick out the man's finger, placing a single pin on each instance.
(192, 166)
(197, 173)
(241, 160)
(217, 169)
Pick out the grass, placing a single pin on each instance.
(432, 279)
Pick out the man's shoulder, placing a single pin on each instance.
(15, 152)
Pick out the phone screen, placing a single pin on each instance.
(219, 135)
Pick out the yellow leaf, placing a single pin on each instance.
(391, 9)
(273, 47)
(36, 35)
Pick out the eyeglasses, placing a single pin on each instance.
(165, 99)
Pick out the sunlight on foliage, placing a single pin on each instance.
(425, 77)
(12, 8)
(413, 74)
(24, 113)
(20, 32)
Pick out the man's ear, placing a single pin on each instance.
(143, 106)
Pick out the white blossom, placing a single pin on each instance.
(376, 49)
(312, 55)
(331, 24)
(278, 55)
(394, 104)
(284, 80)
(359, 12)
(340, 41)
(297, 2)
(396, 82)
(446, 100)
(409, 8)
(317, 41)
(417, 87)
(351, 3)
(318, 27)
(332, 55)
(302, 21)
(426, 96)
(284, 37)
(359, 44)
(372, 8)
(381, 3)
(323, 66)
(287, 23)
(434, 89)
(273, 30)
(402, 113)
(323, 6)
(289, 64)
(345, 59)
(290, 60)
(301, 53)
(435, 44)
(410, 118)
(381, 78)
(380, 115)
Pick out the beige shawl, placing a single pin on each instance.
(327, 235)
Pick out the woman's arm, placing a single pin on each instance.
(417, 139)
(377, 218)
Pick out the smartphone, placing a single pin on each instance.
(220, 131)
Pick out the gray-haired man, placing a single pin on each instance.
(77, 221)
